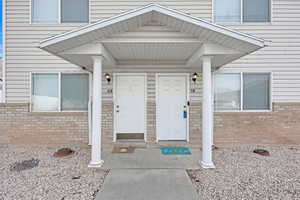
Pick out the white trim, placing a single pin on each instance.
(4, 51)
(59, 91)
(90, 109)
(146, 9)
(59, 73)
(59, 12)
(242, 11)
(242, 91)
(89, 10)
(187, 76)
(115, 75)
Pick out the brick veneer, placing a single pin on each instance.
(19, 126)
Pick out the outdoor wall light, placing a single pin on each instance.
(194, 77)
(107, 77)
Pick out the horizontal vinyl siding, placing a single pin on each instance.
(282, 57)
(22, 54)
(105, 8)
(22, 39)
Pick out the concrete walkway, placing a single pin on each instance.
(146, 174)
(147, 184)
(150, 158)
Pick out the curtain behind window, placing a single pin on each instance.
(227, 10)
(45, 92)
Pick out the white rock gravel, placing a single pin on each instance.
(52, 179)
(241, 174)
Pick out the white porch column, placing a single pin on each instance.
(96, 160)
(207, 123)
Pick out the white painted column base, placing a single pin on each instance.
(98, 164)
(207, 165)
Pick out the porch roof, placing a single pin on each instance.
(224, 44)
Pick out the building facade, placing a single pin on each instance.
(152, 56)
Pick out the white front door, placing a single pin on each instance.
(172, 116)
(129, 106)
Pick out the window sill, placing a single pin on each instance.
(58, 113)
(242, 111)
(57, 23)
(243, 23)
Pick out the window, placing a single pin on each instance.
(242, 10)
(53, 11)
(45, 10)
(60, 92)
(74, 91)
(256, 91)
(227, 92)
(243, 91)
(227, 10)
(45, 92)
(74, 10)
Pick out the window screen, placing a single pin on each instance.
(256, 11)
(256, 93)
(74, 92)
(227, 11)
(45, 92)
(74, 10)
(227, 93)
(45, 10)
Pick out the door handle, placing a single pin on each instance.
(117, 109)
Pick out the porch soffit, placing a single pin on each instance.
(120, 33)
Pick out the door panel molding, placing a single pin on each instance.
(187, 76)
(115, 78)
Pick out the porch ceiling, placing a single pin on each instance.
(154, 49)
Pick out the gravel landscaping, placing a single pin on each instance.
(241, 174)
(34, 173)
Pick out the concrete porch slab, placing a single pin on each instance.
(147, 184)
(145, 158)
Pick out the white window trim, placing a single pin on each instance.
(59, 110)
(241, 20)
(242, 90)
(59, 15)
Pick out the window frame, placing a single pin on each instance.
(59, 110)
(59, 19)
(270, 109)
(241, 20)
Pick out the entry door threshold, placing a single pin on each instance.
(131, 142)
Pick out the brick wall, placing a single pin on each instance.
(19, 126)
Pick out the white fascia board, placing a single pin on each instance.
(147, 9)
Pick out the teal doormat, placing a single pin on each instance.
(175, 150)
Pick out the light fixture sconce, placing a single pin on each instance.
(107, 77)
(194, 77)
